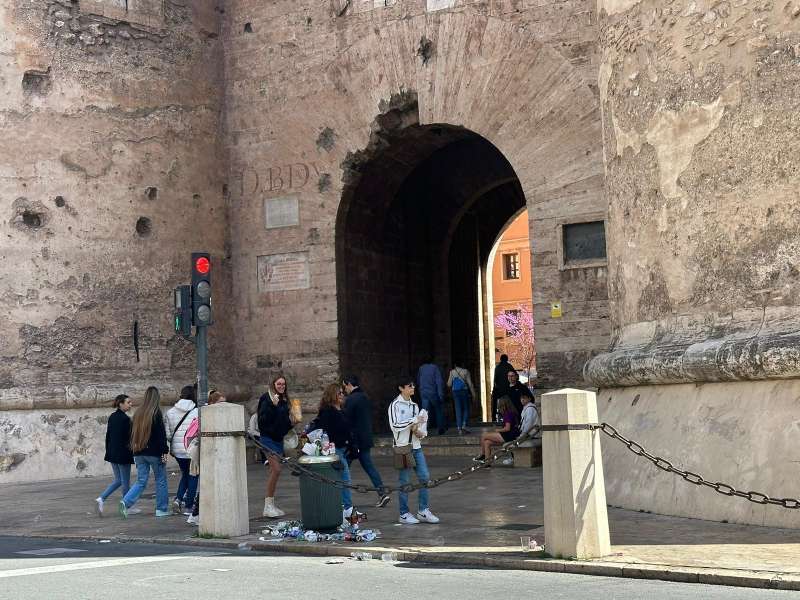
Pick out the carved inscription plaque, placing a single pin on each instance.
(283, 272)
(440, 4)
(281, 212)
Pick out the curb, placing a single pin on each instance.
(710, 576)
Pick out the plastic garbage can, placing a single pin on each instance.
(320, 503)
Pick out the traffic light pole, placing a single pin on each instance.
(201, 346)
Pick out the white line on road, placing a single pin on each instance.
(100, 564)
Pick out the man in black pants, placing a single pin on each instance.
(358, 411)
(500, 388)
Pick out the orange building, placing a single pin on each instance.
(511, 282)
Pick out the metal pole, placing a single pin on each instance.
(202, 366)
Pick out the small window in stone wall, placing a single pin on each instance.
(511, 266)
(584, 242)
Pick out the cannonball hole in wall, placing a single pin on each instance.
(248, 28)
(151, 193)
(144, 227)
(60, 202)
(32, 219)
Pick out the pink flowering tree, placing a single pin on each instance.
(518, 325)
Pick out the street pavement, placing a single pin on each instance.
(483, 517)
(77, 570)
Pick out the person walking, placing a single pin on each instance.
(332, 421)
(500, 387)
(149, 445)
(404, 421)
(460, 383)
(431, 392)
(358, 411)
(177, 420)
(274, 422)
(118, 450)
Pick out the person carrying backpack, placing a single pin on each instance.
(177, 421)
(460, 383)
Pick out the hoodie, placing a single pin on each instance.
(173, 417)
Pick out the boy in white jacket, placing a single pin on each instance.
(404, 420)
(176, 422)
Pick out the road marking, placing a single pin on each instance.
(101, 564)
(48, 551)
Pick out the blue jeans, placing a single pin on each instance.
(433, 402)
(461, 399)
(365, 458)
(422, 474)
(347, 496)
(122, 477)
(143, 466)
(187, 486)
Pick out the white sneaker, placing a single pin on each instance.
(426, 516)
(99, 507)
(134, 511)
(193, 520)
(177, 506)
(270, 510)
(408, 519)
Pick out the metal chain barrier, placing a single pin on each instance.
(717, 486)
(297, 469)
(507, 448)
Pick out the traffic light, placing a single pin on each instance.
(201, 289)
(183, 310)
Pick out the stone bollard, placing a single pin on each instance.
(575, 516)
(223, 472)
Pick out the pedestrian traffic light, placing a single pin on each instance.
(201, 289)
(183, 310)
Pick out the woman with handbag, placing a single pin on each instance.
(177, 421)
(275, 420)
(149, 445)
(406, 423)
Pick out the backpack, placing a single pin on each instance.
(458, 383)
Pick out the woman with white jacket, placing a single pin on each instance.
(177, 421)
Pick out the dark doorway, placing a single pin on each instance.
(421, 211)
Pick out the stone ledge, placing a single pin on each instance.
(726, 577)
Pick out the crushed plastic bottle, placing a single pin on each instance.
(389, 557)
(361, 555)
(244, 546)
(311, 536)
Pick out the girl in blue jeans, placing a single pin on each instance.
(118, 449)
(149, 445)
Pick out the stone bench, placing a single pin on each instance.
(528, 456)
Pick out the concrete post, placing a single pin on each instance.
(575, 516)
(223, 471)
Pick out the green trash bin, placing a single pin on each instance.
(320, 503)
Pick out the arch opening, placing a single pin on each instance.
(420, 214)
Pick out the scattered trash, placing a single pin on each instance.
(529, 544)
(105, 541)
(263, 539)
(481, 487)
(244, 546)
(221, 570)
(521, 506)
(361, 555)
(389, 557)
(294, 530)
(335, 561)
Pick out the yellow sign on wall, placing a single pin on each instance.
(555, 310)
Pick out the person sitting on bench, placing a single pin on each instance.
(531, 427)
(507, 433)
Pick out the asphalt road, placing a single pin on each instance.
(56, 569)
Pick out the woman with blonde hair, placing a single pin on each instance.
(149, 445)
(275, 420)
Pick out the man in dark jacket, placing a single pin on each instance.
(500, 388)
(516, 390)
(358, 411)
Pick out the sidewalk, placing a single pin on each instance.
(482, 518)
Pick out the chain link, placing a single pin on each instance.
(696, 478)
(298, 469)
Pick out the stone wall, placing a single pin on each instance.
(110, 175)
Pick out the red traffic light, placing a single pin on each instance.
(202, 265)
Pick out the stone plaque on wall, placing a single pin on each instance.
(281, 212)
(283, 272)
(440, 4)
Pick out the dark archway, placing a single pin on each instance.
(420, 212)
